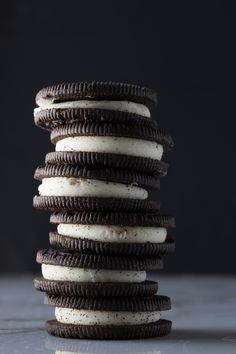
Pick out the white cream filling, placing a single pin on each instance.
(113, 233)
(62, 273)
(89, 317)
(80, 187)
(123, 106)
(113, 145)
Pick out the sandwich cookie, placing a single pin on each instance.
(76, 274)
(113, 233)
(88, 236)
(98, 95)
(134, 147)
(73, 188)
(108, 318)
(112, 147)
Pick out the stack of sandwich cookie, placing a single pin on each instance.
(108, 157)
(100, 296)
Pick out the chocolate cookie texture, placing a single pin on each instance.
(111, 130)
(105, 174)
(80, 204)
(113, 218)
(51, 118)
(108, 156)
(155, 329)
(104, 160)
(93, 261)
(112, 248)
(95, 289)
(95, 90)
(129, 304)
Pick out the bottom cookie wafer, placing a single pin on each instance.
(155, 329)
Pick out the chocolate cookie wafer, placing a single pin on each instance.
(119, 248)
(51, 259)
(51, 118)
(141, 133)
(122, 177)
(96, 289)
(79, 204)
(117, 304)
(113, 218)
(155, 329)
(106, 93)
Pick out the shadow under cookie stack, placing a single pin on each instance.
(107, 157)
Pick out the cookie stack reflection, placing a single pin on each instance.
(107, 233)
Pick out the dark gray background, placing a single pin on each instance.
(184, 50)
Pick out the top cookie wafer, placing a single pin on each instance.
(95, 90)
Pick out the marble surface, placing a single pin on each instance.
(203, 316)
